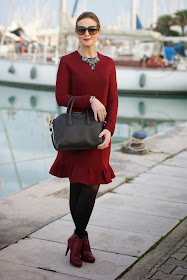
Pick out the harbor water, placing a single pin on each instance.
(26, 150)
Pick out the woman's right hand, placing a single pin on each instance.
(98, 109)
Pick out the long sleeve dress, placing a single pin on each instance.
(75, 77)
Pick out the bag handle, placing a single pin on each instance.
(88, 122)
(69, 103)
(70, 111)
(83, 110)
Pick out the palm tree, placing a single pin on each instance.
(163, 24)
(181, 19)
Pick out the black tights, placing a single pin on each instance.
(81, 202)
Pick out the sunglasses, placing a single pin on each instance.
(92, 30)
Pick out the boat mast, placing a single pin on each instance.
(133, 14)
(143, 13)
(133, 22)
(181, 5)
(74, 8)
(62, 10)
(164, 7)
(62, 19)
(8, 18)
(154, 12)
(173, 7)
(37, 10)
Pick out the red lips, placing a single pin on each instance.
(86, 39)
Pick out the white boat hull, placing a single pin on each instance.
(129, 80)
(155, 80)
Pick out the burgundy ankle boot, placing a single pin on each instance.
(75, 245)
(86, 253)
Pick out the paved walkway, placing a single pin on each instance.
(167, 261)
(125, 224)
(175, 267)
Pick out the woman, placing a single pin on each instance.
(95, 85)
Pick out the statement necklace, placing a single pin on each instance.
(92, 61)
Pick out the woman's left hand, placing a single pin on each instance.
(107, 138)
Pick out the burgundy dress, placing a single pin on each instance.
(75, 77)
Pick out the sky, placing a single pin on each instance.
(109, 12)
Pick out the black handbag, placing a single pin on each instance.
(75, 130)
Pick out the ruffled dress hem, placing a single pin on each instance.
(91, 175)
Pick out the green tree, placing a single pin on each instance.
(181, 19)
(163, 24)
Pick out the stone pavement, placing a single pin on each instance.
(175, 267)
(126, 221)
(168, 260)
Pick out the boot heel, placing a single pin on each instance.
(67, 250)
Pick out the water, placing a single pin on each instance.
(26, 150)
